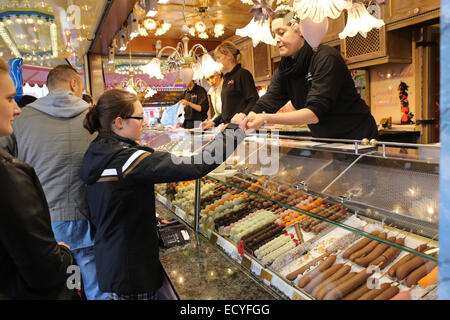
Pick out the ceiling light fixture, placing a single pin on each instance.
(259, 27)
(13, 18)
(359, 20)
(122, 40)
(149, 24)
(200, 26)
(258, 31)
(317, 10)
(180, 58)
(133, 25)
(218, 30)
(111, 55)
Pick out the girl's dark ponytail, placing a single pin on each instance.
(91, 121)
(110, 105)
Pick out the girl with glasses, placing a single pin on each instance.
(120, 177)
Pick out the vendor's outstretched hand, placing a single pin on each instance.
(241, 120)
(255, 120)
(207, 125)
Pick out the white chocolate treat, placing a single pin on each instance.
(267, 259)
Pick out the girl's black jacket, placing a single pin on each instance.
(120, 177)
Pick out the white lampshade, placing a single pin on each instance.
(218, 30)
(153, 69)
(150, 24)
(200, 26)
(150, 93)
(203, 35)
(209, 66)
(258, 32)
(197, 67)
(359, 20)
(317, 10)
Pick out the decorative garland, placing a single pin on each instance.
(403, 95)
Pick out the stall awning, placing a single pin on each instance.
(35, 75)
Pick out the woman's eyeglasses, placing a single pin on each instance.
(137, 118)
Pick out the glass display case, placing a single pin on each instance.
(318, 219)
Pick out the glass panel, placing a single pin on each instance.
(400, 186)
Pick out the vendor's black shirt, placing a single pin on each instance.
(321, 82)
(198, 96)
(239, 94)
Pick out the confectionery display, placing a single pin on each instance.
(316, 244)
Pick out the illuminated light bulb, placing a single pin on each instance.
(359, 20)
(159, 32)
(218, 30)
(317, 10)
(19, 19)
(166, 26)
(149, 24)
(192, 31)
(163, 1)
(143, 32)
(40, 21)
(200, 26)
(203, 35)
(258, 32)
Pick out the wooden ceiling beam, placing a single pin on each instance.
(148, 45)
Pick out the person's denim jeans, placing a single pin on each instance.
(84, 258)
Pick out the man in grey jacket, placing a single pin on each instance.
(51, 138)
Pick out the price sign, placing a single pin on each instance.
(265, 277)
(296, 296)
(213, 238)
(246, 262)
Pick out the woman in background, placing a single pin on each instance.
(239, 93)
